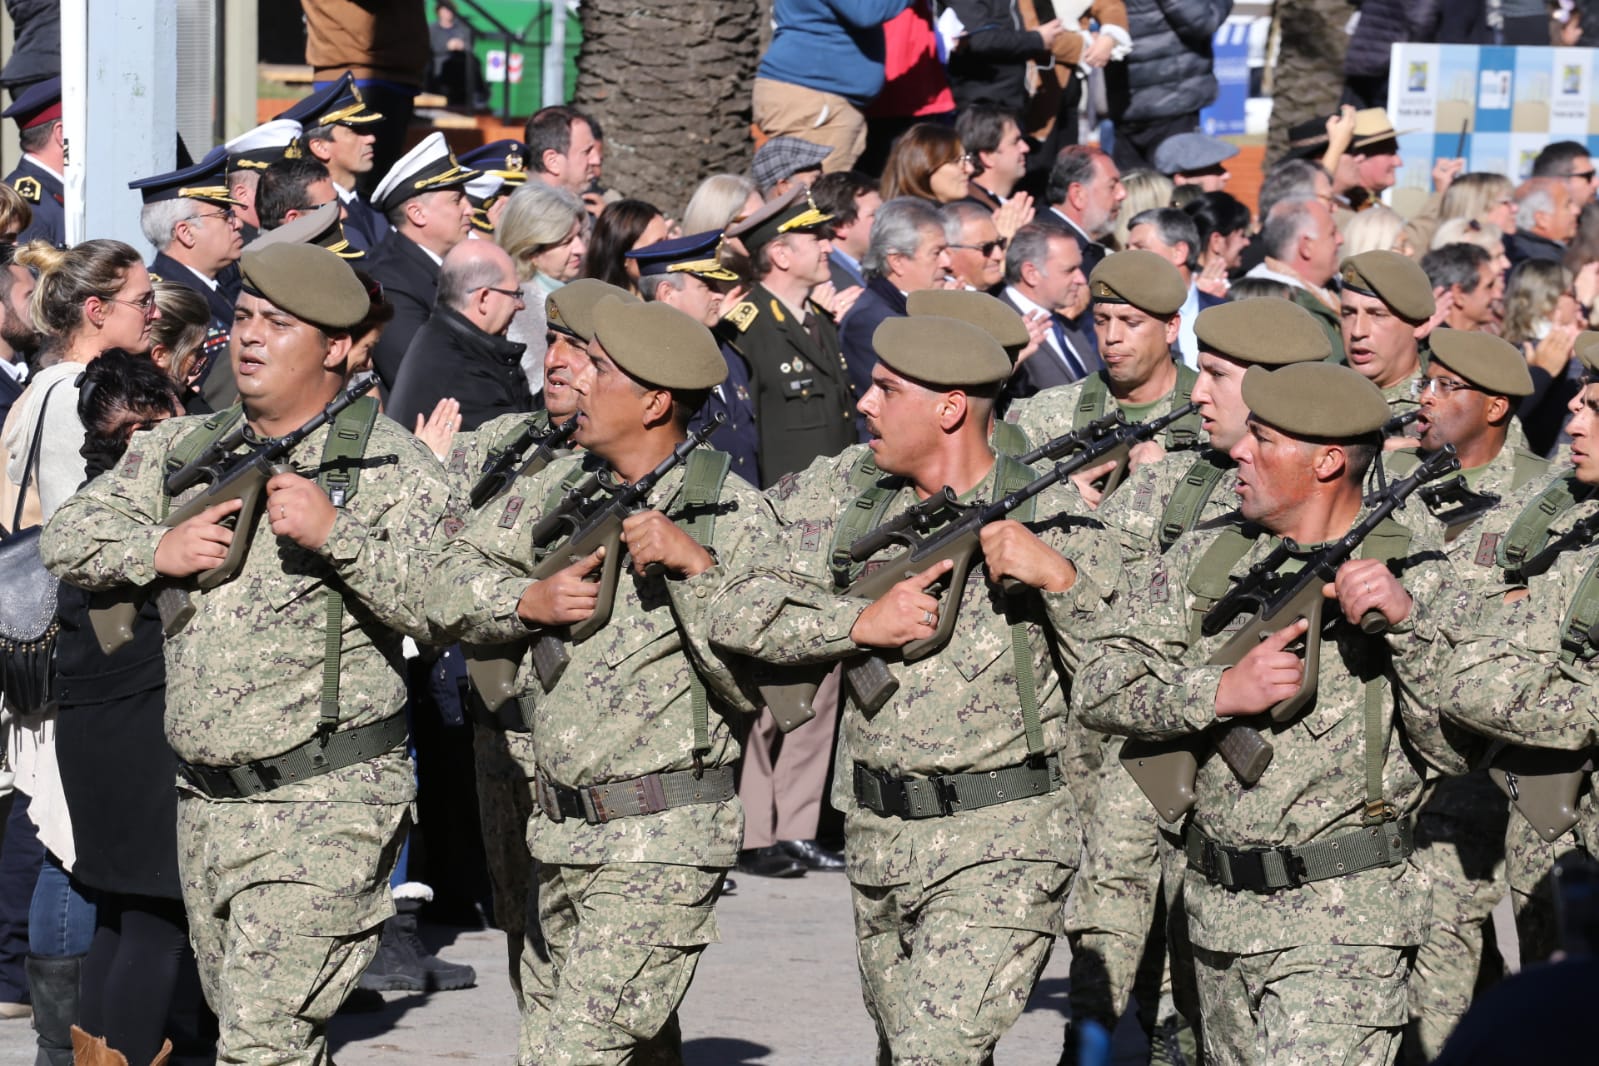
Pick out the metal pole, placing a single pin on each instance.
(554, 88)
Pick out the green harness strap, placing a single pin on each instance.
(1008, 438)
(1181, 434)
(703, 474)
(867, 511)
(1209, 582)
(1189, 500)
(195, 443)
(1529, 533)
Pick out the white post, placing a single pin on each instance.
(554, 89)
(119, 110)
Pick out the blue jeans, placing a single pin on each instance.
(20, 858)
(61, 919)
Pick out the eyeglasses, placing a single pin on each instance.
(144, 304)
(226, 214)
(987, 247)
(515, 294)
(1585, 175)
(1442, 386)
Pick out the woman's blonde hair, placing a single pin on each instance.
(1485, 235)
(538, 217)
(1146, 190)
(1474, 195)
(14, 211)
(1534, 288)
(716, 202)
(68, 277)
(1376, 229)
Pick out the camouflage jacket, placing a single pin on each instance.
(244, 677)
(1149, 680)
(1135, 511)
(470, 451)
(956, 711)
(1053, 412)
(623, 708)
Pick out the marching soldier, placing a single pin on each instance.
(960, 835)
(40, 176)
(1385, 303)
(295, 781)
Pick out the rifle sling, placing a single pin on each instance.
(1095, 397)
(1189, 500)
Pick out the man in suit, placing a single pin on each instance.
(424, 199)
(38, 178)
(852, 199)
(340, 131)
(189, 216)
(1172, 235)
(976, 250)
(993, 141)
(1085, 195)
(1044, 276)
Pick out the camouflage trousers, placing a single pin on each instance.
(947, 968)
(504, 764)
(1316, 1005)
(624, 940)
(1529, 867)
(285, 903)
(1460, 837)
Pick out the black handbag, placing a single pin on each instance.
(27, 603)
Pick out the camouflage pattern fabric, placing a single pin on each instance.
(1052, 412)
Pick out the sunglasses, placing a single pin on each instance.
(987, 247)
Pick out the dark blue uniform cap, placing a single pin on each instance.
(694, 254)
(38, 104)
(505, 159)
(340, 104)
(206, 181)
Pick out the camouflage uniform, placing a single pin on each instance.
(1314, 973)
(625, 905)
(1128, 897)
(1461, 830)
(285, 890)
(983, 887)
(1053, 412)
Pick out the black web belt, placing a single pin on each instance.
(946, 794)
(1273, 869)
(311, 759)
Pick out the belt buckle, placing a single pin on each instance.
(199, 777)
(1247, 869)
(549, 803)
(1293, 866)
(944, 794)
(251, 778)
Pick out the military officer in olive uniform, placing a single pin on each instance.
(1304, 911)
(961, 837)
(39, 176)
(1385, 307)
(295, 781)
(803, 404)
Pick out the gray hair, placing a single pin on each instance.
(1538, 198)
(460, 279)
(1031, 246)
(1291, 179)
(650, 285)
(1286, 224)
(537, 216)
(1172, 226)
(898, 231)
(159, 220)
(957, 214)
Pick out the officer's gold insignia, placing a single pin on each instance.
(743, 315)
(29, 189)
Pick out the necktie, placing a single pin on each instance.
(1068, 354)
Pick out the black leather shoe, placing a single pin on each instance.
(770, 861)
(812, 854)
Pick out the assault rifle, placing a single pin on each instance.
(228, 477)
(503, 470)
(1165, 770)
(959, 541)
(587, 518)
(1397, 424)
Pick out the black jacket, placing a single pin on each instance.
(989, 65)
(1383, 24)
(449, 356)
(1522, 245)
(1172, 69)
(880, 301)
(410, 280)
(46, 196)
(217, 387)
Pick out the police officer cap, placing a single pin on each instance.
(793, 212)
(309, 282)
(994, 317)
(1587, 350)
(1317, 400)
(37, 104)
(570, 309)
(1486, 361)
(340, 104)
(320, 226)
(206, 181)
(1140, 278)
(942, 352)
(1266, 332)
(658, 344)
(694, 254)
(1397, 280)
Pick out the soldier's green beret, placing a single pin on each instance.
(1262, 332)
(995, 317)
(309, 282)
(944, 352)
(1397, 280)
(1319, 400)
(1140, 278)
(1486, 361)
(570, 309)
(658, 344)
(1587, 350)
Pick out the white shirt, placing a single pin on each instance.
(1027, 306)
(1187, 343)
(18, 370)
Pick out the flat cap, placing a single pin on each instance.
(570, 309)
(993, 316)
(939, 351)
(320, 225)
(1397, 280)
(1269, 332)
(1318, 400)
(783, 157)
(1192, 151)
(1486, 361)
(309, 282)
(1587, 350)
(1140, 278)
(658, 344)
(793, 212)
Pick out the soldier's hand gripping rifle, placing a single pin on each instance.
(585, 520)
(228, 477)
(506, 467)
(1165, 770)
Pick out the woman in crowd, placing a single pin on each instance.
(1376, 229)
(1485, 235)
(1146, 190)
(1543, 318)
(1480, 197)
(622, 227)
(15, 214)
(542, 231)
(927, 162)
(719, 200)
(1223, 225)
(139, 981)
(89, 300)
(176, 337)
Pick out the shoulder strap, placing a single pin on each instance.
(1527, 468)
(703, 474)
(1091, 401)
(33, 454)
(339, 472)
(1530, 531)
(1188, 500)
(1008, 438)
(1186, 431)
(1582, 615)
(1010, 475)
(1210, 578)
